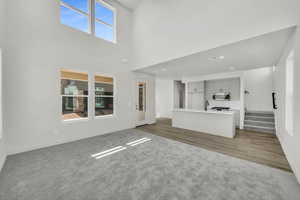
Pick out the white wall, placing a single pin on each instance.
(176, 94)
(165, 30)
(151, 96)
(2, 39)
(164, 92)
(2, 144)
(37, 47)
(2, 21)
(290, 143)
(260, 86)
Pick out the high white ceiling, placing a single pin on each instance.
(132, 4)
(261, 51)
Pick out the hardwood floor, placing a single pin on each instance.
(262, 148)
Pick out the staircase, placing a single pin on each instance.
(260, 121)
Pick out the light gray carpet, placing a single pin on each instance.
(158, 169)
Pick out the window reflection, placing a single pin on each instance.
(104, 95)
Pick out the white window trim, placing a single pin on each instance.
(105, 116)
(92, 17)
(91, 97)
(113, 96)
(71, 95)
(69, 121)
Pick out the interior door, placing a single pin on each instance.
(141, 103)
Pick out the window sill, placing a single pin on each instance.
(69, 121)
(104, 116)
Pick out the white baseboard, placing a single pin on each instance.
(2, 162)
(293, 166)
(13, 151)
(2, 154)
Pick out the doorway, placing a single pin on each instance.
(141, 103)
(179, 94)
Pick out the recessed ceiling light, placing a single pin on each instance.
(217, 58)
(232, 68)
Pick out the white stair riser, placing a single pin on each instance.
(260, 122)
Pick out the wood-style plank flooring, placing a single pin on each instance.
(262, 148)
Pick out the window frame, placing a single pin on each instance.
(113, 96)
(91, 15)
(84, 96)
(88, 14)
(94, 19)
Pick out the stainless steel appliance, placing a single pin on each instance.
(221, 96)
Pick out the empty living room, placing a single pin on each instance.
(149, 100)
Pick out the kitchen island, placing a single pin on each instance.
(221, 123)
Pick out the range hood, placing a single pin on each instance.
(221, 96)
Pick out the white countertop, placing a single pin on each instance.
(204, 111)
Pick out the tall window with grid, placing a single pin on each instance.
(104, 95)
(74, 94)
